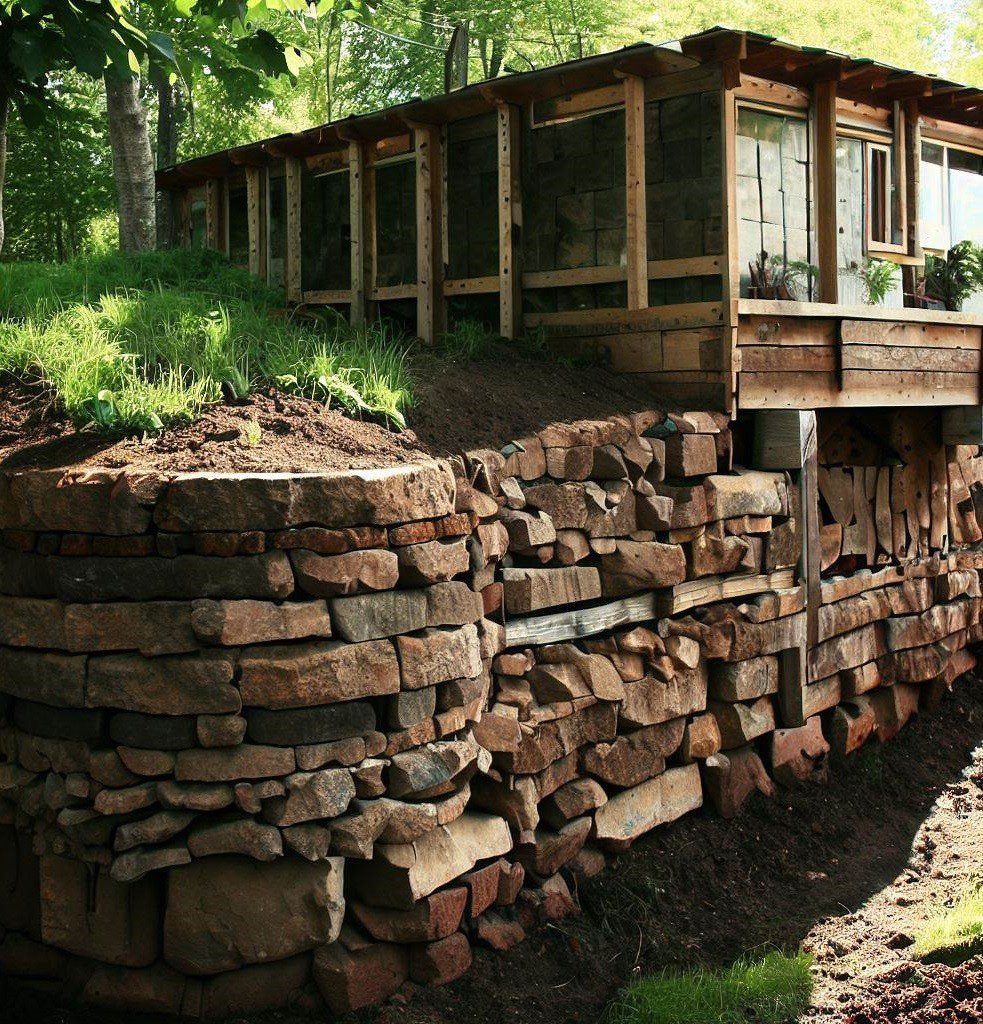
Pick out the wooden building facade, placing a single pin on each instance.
(621, 203)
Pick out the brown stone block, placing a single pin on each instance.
(312, 796)
(799, 754)
(56, 679)
(237, 623)
(529, 590)
(224, 912)
(436, 561)
(729, 779)
(438, 655)
(373, 616)
(251, 990)
(631, 813)
(354, 572)
(244, 837)
(247, 761)
(86, 913)
(351, 979)
(441, 962)
(150, 627)
(31, 622)
(645, 565)
(434, 917)
(690, 455)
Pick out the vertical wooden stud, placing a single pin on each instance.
(214, 236)
(635, 212)
(293, 185)
(824, 120)
(730, 268)
(913, 151)
(254, 217)
(429, 263)
(359, 250)
(509, 222)
(812, 555)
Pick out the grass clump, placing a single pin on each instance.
(139, 343)
(955, 935)
(772, 990)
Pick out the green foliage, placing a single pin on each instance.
(952, 279)
(467, 340)
(878, 277)
(954, 935)
(142, 343)
(772, 990)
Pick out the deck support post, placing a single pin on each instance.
(359, 248)
(509, 222)
(213, 215)
(254, 208)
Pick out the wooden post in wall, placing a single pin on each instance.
(636, 231)
(785, 439)
(429, 261)
(254, 217)
(509, 222)
(913, 165)
(293, 170)
(359, 249)
(214, 238)
(824, 120)
(730, 264)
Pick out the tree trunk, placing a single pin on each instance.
(4, 116)
(133, 164)
(166, 152)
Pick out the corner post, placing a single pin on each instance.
(509, 222)
(636, 230)
(429, 260)
(824, 120)
(254, 209)
(293, 171)
(359, 249)
(730, 269)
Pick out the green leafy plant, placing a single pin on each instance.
(955, 934)
(775, 277)
(877, 277)
(467, 340)
(953, 278)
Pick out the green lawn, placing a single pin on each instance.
(772, 990)
(139, 343)
(954, 935)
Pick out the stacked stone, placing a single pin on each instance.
(244, 682)
(598, 738)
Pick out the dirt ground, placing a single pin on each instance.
(848, 869)
(460, 406)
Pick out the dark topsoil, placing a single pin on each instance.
(459, 407)
(704, 890)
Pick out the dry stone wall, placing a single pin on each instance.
(305, 737)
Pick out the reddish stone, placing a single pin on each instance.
(438, 963)
(225, 545)
(510, 880)
(433, 917)
(495, 931)
(340, 575)
(330, 542)
(351, 979)
(482, 885)
(138, 546)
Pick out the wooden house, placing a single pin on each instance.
(621, 205)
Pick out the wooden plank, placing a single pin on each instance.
(792, 686)
(577, 104)
(327, 297)
(509, 221)
(824, 133)
(771, 330)
(214, 234)
(730, 271)
(702, 78)
(293, 184)
(811, 558)
(393, 292)
(429, 261)
(820, 310)
(673, 317)
(912, 335)
(783, 439)
(471, 285)
(635, 213)
(686, 266)
(359, 249)
(772, 94)
(694, 593)
(811, 358)
(797, 390)
(255, 221)
(573, 277)
(901, 357)
(692, 350)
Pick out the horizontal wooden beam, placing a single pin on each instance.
(471, 285)
(776, 307)
(672, 317)
(327, 297)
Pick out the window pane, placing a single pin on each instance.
(966, 196)
(931, 198)
(849, 219)
(325, 232)
(879, 195)
(773, 198)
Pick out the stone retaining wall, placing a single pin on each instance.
(291, 738)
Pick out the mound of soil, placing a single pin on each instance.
(460, 406)
(922, 994)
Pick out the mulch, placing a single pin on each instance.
(460, 407)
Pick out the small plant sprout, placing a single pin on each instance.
(252, 433)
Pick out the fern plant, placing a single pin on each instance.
(878, 277)
(955, 277)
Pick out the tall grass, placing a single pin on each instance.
(141, 343)
(955, 934)
(772, 990)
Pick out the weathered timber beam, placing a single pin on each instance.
(429, 261)
(509, 222)
(359, 249)
(255, 220)
(293, 272)
(635, 213)
(824, 112)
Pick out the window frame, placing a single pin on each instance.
(945, 146)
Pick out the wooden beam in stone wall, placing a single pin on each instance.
(292, 276)
(359, 249)
(429, 260)
(509, 222)
(635, 213)
(824, 119)
(254, 212)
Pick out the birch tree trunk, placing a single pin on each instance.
(133, 164)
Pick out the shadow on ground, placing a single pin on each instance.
(702, 890)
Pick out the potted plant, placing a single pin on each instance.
(951, 279)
